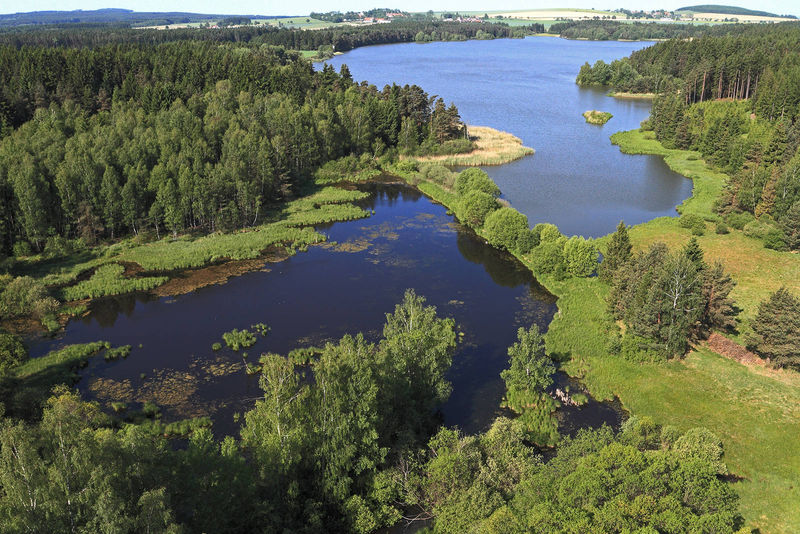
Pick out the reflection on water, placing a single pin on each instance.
(315, 297)
(577, 179)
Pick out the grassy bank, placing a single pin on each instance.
(493, 147)
(755, 411)
(639, 96)
(758, 271)
(121, 268)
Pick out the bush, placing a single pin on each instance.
(739, 219)
(438, 174)
(476, 206)
(548, 258)
(475, 179)
(776, 240)
(757, 229)
(702, 444)
(20, 295)
(547, 232)
(12, 352)
(57, 245)
(722, 228)
(407, 165)
(503, 226)
(527, 241)
(693, 222)
(21, 249)
(580, 256)
(639, 349)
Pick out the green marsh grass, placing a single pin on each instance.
(109, 280)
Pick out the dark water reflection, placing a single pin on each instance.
(576, 179)
(315, 297)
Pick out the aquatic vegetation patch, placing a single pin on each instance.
(116, 353)
(597, 117)
(168, 255)
(238, 339)
(109, 280)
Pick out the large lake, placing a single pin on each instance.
(577, 179)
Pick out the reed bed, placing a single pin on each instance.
(493, 147)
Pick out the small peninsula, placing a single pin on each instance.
(492, 147)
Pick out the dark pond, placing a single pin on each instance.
(577, 179)
(317, 296)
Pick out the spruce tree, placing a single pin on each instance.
(694, 253)
(618, 253)
(776, 329)
(718, 309)
(791, 226)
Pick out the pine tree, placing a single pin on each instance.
(618, 253)
(776, 329)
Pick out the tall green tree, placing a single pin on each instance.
(618, 252)
(776, 329)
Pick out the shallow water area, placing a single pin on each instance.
(344, 286)
(577, 179)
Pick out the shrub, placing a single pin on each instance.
(757, 229)
(702, 444)
(503, 226)
(548, 258)
(12, 352)
(580, 256)
(21, 249)
(57, 245)
(775, 240)
(407, 165)
(150, 409)
(693, 222)
(722, 228)
(20, 295)
(739, 220)
(639, 349)
(438, 174)
(476, 205)
(527, 241)
(547, 232)
(475, 179)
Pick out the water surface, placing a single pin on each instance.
(577, 179)
(319, 296)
